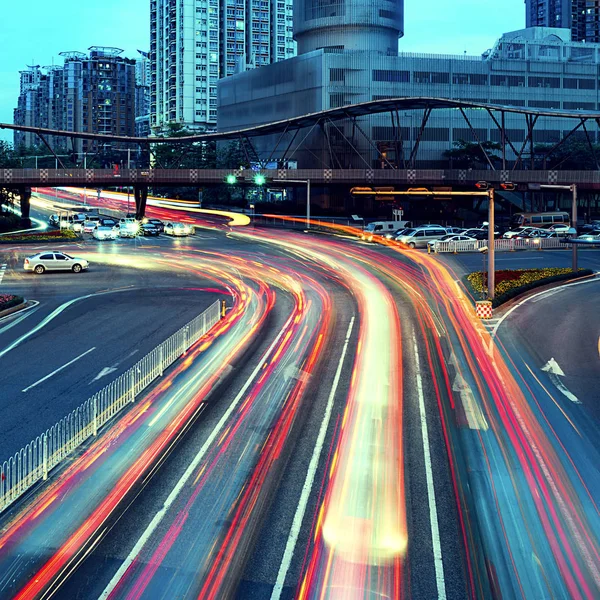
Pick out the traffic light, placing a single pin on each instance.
(482, 185)
(259, 179)
(508, 186)
(362, 190)
(231, 179)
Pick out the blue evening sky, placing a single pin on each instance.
(34, 32)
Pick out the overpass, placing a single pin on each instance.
(404, 173)
(23, 180)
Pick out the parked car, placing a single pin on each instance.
(418, 237)
(455, 230)
(73, 222)
(89, 226)
(515, 232)
(451, 237)
(108, 223)
(589, 237)
(394, 234)
(177, 229)
(156, 222)
(149, 229)
(105, 233)
(128, 229)
(54, 261)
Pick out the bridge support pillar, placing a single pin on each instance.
(141, 195)
(25, 197)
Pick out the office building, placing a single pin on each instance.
(582, 17)
(195, 43)
(537, 68)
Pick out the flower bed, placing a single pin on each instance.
(511, 283)
(9, 300)
(42, 236)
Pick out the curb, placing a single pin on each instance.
(506, 306)
(13, 309)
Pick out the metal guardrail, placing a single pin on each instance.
(501, 245)
(33, 463)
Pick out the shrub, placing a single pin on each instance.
(9, 300)
(43, 236)
(511, 283)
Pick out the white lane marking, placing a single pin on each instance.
(433, 517)
(58, 370)
(160, 515)
(104, 372)
(310, 477)
(546, 292)
(2, 271)
(16, 318)
(55, 314)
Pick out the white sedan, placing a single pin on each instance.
(453, 238)
(178, 229)
(105, 233)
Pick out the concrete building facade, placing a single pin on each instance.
(194, 43)
(582, 17)
(537, 68)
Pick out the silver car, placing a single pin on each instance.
(54, 261)
(178, 229)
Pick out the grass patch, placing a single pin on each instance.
(53, 235)
(511, 283)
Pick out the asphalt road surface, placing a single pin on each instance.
(347, 430)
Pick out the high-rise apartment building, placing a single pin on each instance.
(95, 93)
(142, 95)
(582, 17)
(194, 43)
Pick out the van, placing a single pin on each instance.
(381, 228)
(418, 237)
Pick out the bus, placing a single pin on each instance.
(541, 220)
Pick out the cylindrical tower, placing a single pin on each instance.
(374, 26)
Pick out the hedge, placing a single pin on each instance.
(9, 300)
(46, 236)
(511, 283)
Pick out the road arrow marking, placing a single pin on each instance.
(104, 372)
(552, 367)
(554, 372)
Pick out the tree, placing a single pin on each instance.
(469, 155)
(8, 156)
(573, 154)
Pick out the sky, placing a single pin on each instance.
(34, 32)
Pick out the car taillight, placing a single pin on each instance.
(26, 261)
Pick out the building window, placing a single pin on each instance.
(392, 76)
(544, 82)
(508, 80)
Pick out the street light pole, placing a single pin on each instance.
(574, 224)
(491, 246)
(308, 204)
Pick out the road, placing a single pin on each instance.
(347, 430)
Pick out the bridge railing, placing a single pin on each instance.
(34, 462)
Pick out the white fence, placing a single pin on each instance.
(36, 459)
(502, 245)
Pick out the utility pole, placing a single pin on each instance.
(574, 224)
(491, 246)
